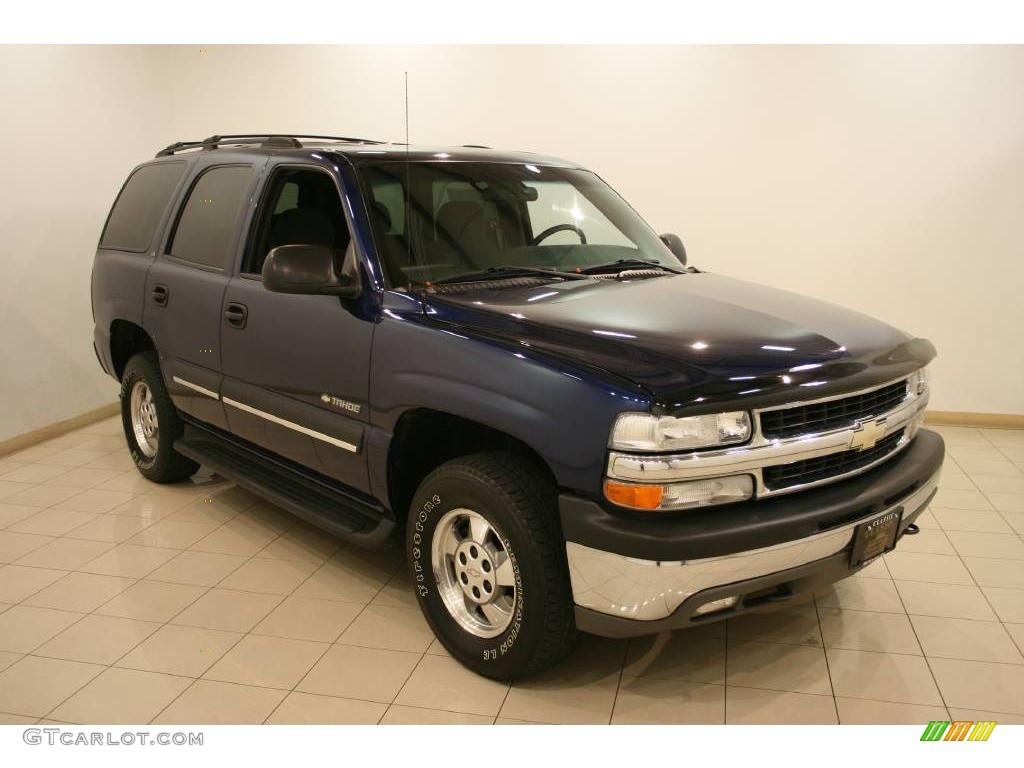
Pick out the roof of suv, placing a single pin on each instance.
(357, 151)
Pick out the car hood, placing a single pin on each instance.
(693, 341)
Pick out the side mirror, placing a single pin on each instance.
(309, 269)
(675, 244)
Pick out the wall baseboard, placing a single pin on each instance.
(59, 428)
(968, 419)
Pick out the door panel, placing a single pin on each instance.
(297, 374)
(294, 351)
(186, 332)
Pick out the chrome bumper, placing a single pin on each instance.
(649, 590)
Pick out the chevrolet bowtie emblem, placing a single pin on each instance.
(866, 434)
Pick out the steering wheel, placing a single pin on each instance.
(559, 228)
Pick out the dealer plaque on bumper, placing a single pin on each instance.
(875, 537)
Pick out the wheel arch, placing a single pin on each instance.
(425, 438)
(127, 339)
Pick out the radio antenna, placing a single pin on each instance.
(408, 191)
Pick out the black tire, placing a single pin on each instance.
(519, 501)
(167, 465)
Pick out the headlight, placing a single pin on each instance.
(646, 432)
(918, 382)
(689, 495)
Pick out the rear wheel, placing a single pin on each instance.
(151, 422)
(488, 564)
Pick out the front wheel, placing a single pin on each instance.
(487, 560)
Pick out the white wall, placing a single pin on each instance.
(74, 122)
(890, 180)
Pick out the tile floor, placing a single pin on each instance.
(122, 601)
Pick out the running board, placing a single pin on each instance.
(309, 498)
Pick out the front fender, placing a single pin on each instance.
(562, 413)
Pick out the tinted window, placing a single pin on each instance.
(206, 229)
(301, 207)
(137, 210)
(289, 197)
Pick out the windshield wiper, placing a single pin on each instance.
(622, 264)
(508, 270)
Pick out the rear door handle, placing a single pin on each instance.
(236, 314)
(160, 295)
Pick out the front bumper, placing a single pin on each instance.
(635, 576)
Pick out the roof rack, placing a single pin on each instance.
(267, 141)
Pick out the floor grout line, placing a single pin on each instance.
(508, 692)
(618, 684)
(725, 675)
(402, 687)
(828, 667)
(931, 671)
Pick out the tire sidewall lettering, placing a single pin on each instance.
(419, 573)
(513, 632)
(423, 577)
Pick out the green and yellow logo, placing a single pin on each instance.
(958, 730)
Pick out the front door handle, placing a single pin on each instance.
(160, 295)
(235, 314)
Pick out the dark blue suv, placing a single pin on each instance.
(490, 356)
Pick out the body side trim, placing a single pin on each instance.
(292, 425)
(196, 387)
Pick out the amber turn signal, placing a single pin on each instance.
(636, 496)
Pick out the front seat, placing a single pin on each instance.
(462, 225)
(302, 226)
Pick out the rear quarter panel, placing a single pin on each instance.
(119, 277)
(118, 284)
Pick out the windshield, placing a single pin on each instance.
(462, 218)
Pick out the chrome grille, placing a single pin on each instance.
(825, 467)
(831, 414)
(794, 463)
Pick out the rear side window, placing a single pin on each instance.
(136, 213)
(205, 233)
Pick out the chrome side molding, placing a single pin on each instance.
(195, 387)
(268, 416)
(292, 425)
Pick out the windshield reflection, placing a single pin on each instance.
(439, 221)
